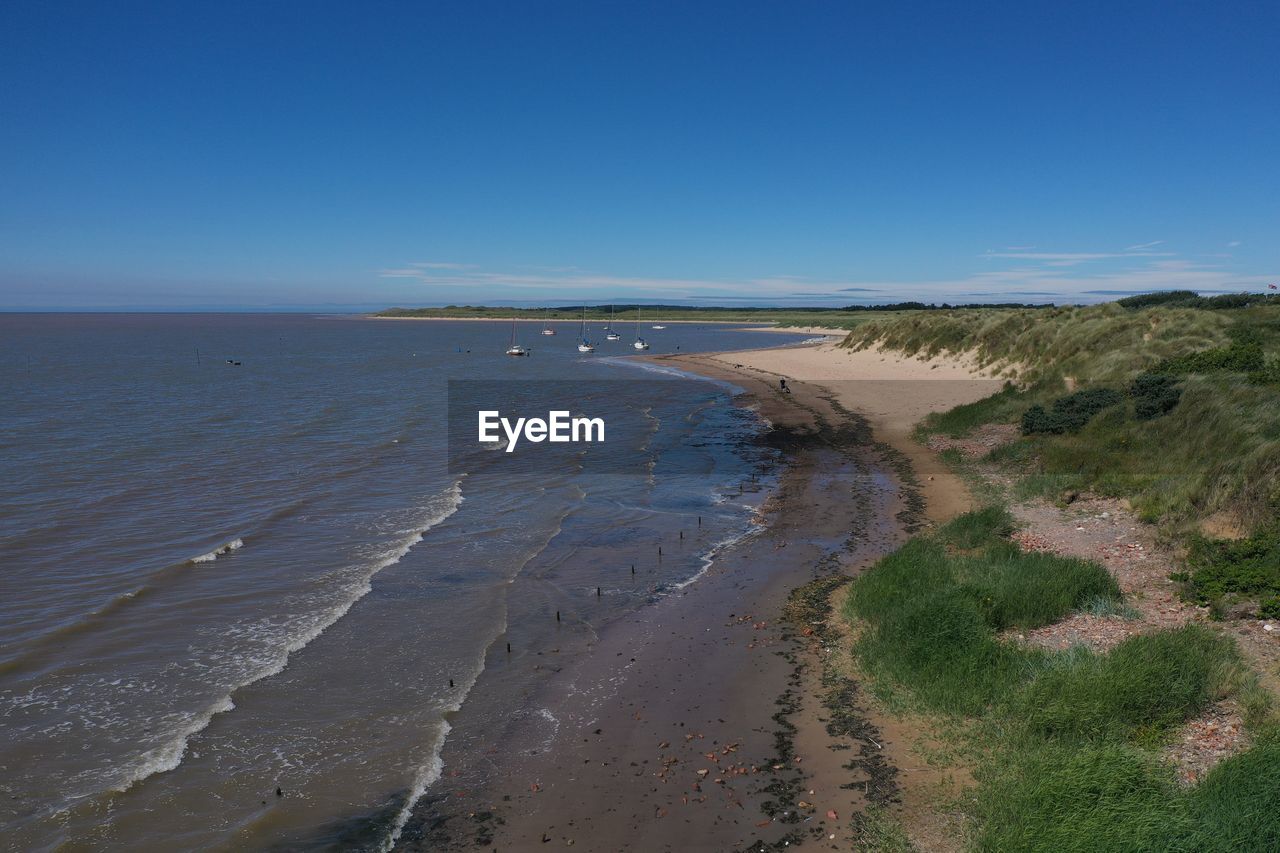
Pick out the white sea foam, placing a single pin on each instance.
(425, 777)
(709, 558)
(169, 755)
(233, 545)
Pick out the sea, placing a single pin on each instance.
(247, 581)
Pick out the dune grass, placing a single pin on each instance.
(1193, 438)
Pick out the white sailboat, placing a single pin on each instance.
(546, 325)
(640, 342)
(609, 333)
(515, 348)
(584, 345)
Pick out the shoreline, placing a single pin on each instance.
(736, 660)
(753, 325)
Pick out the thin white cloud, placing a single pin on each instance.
(1143, 246)
(441, 265)
(1234, 243)
(1050, 276)
(1068, 259)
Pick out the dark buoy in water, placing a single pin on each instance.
(681, 534)
(699, 521)
(633, 568)
(597, 592)
(279, 792)
(450, 682)
(508, 648)
(557, 615)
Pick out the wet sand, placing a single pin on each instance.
(676, 728)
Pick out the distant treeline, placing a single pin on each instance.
(1191, 299)
(652, 308)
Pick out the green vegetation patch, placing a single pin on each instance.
(1154, 394)
(1097, 797)
(1069, 413)
(1244, 568)
(1141, 689)
(1069, 739)
(934, 607)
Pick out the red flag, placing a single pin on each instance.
(1272, 286)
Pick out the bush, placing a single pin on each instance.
(1154, 394)
(1069, 413)
(1164, 297)
(1245, 567)
(1143, 687)
(1240, 357)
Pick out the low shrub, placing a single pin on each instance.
(1069, 413)
(1246, 567)
(1154, 394)
(1240, 357)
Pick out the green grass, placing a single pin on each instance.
(1237, 808)
(934, 608)
(1115, 796)
(1141, 689)
(1069, 740)
(1096, 797)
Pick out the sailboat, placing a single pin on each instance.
(546, 325)
(584, 345)
(640, 343)
(515, 348)
(609, 333)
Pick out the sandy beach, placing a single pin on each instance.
(891, 390)
(699, 723)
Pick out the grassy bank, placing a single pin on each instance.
(1066, 744)
(1174, 409)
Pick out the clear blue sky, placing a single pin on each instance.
(276, 154)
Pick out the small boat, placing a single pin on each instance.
(640, 343)
(546, 326)
(584, 345)
(659, 326)
(515, 348)
(609, 333)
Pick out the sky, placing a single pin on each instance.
(314, 155)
